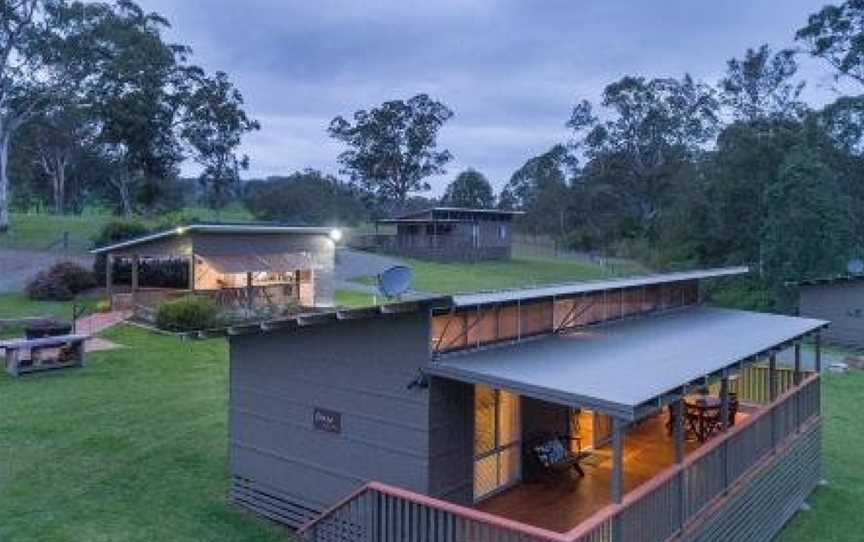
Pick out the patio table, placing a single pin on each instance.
(703, 415)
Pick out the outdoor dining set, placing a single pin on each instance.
(703, 415)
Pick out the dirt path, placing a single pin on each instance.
(19, 266)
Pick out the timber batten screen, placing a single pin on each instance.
(472, 327)
(617, 367)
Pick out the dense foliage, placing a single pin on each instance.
(306, 198)
(469, 189)
(61, 282)
(110, 109)
(190, 313)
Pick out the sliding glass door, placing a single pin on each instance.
(497, 441)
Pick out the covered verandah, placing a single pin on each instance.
(639, 375)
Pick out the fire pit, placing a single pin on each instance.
(47, 328)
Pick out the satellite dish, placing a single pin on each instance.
(395, 281)
(855, 266)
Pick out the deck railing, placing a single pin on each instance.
(656, 510)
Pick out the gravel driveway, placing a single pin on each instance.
(18, 266)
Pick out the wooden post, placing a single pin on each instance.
(249, 302)
(678, 413)
(818, 347)
(772, 393)
(678, 428)
(109, 277)
(192, 272)
(797, 374)
(724, 401)
(136, 260)
(617, 460)
(772, 376)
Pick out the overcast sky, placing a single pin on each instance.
(510, 70)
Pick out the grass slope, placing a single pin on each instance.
(42, 231)
(131, 448)
(836, 514)
(492, 275)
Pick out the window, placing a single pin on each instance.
(502, 232)
(475, 235)
(497, 441)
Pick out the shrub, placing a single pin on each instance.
(44, 287)
(188, 313)
(60, 283)
(73, 276)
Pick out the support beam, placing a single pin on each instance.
(618, 426)
(818, 348)
(797, 374)
(136, 261)
(109, 276)
(678, 429)
(724, 401)
(772, 376)
(249, 300)
(192, 272)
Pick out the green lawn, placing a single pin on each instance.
(492, 275)
(837, 508)
(348, 298)
(18, 305)
(133, 448)
(43, 231)
(130, 448)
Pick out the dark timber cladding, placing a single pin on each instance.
(284, 466)
(840, 300)
(451, 233)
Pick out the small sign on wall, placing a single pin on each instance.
(327, 420)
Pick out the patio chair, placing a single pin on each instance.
(550, 454)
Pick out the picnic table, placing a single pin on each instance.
(25, 356)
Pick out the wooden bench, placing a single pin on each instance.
(25, 356)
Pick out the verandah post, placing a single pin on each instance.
(109, 277)
(818, 347)
(724, 423)
(678, 413)
(617, 472)
(797, 379)
(772, 396)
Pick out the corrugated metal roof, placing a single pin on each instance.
(614, 368)
(214, 228)
(504, 296)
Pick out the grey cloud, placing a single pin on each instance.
(511, 70)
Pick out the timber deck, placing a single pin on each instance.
(563, 504)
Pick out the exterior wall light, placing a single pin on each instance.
(336, 235)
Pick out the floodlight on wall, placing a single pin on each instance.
(336, 235)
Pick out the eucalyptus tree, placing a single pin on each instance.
(470, 189)
(213, 125)
(393, 148)
(650, 129)
(836, 34)
(32, 34)
(761, 85)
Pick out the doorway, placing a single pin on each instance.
(497, 441)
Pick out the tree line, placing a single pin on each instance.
(96, 105)
(670, 171)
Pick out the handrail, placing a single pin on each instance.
(604, 517)
(608, 512)
(485, 518)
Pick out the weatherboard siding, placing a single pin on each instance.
(842, 303)
(359, 369)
